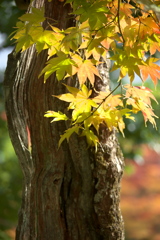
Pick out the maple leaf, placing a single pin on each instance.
(68, 133)
(76, 94)
(147, 112)
(139, 98)
(44, 39)
(141, 92)
(28, 22)
(20, 30)
(154, 44)
(81, 116)
(81, 108)
(150, 69)
(108, 99)
(114, 117)
(79, 100)
(36, 16)
(72, 39)
(139, 105)
(56, 115)
(96, 53)
(148, 26)
(95, 13)
(92, 119)
(61, 65)
(125, 9)
(24, 42)
(130, 33)
(127, 62)
(106, 43)
(87, 70)
(92, 139)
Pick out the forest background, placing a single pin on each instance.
(141, 147)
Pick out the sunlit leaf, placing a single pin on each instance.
(37, 15)
(150, 69)
(61, 65)
(92, 139)
(87, 71)
(68, 133)
(139, 97)
(56, 115)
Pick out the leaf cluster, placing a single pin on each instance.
(89, 113)
(102, 27)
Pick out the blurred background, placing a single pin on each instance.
(140, 194)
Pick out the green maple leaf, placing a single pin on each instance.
(36, 16)
(61, 65)
(24, 42)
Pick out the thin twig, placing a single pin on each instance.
(119, 25)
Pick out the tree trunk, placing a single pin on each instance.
(70, 193)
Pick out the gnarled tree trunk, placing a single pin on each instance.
(71, 193)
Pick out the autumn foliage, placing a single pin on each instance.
(140, 196)
(127, 32)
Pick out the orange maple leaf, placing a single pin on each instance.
(139, 98)
(87, 70)
(150, 69)
(141, 92)
(154, 46)
(148, 27)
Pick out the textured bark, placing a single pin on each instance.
(71, 193)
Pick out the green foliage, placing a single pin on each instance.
(102, 27)
(4, 236)
(9, 14)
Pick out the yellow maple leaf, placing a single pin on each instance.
(79, 100)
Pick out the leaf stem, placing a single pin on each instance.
(119, 25)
